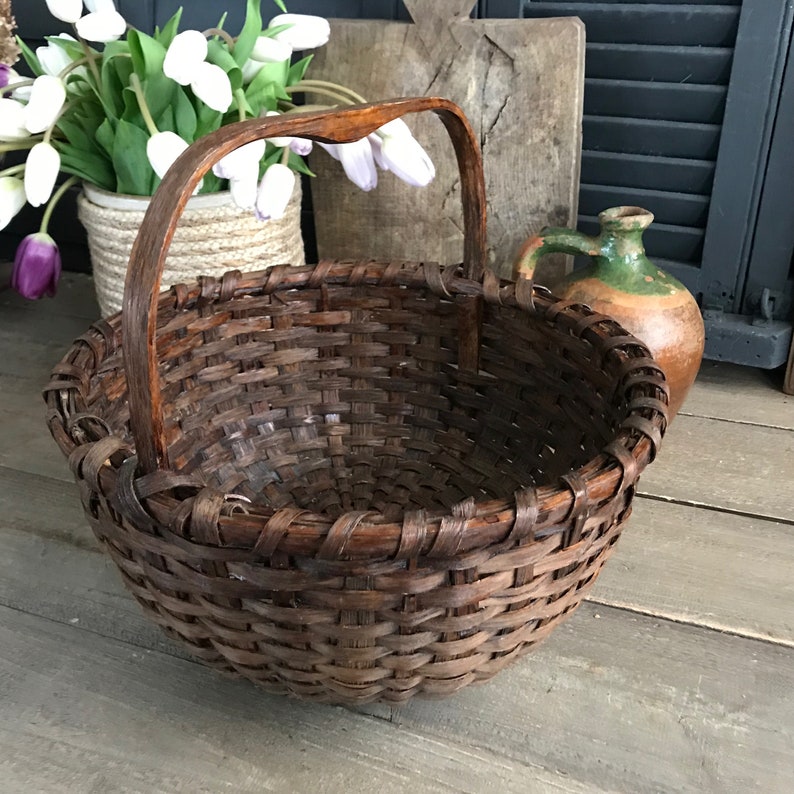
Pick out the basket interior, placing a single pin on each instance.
(351, 398)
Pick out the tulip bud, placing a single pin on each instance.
(357, 160)
(305, 32)
(101, 26)
(275, 191)
(37, 267)
(184, 54)
(41, 171)
(54, 59)
(46, 101)
(241, 162)
(163, 149)
(212, 86)
(407, 159)
(12, 121)
(12, 199)
(100, 5)
(66, 10)
(244, 190)
(266, 50)
(301, 146)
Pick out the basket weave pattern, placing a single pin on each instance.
(412, 527)
(355, 480)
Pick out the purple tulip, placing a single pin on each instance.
(5, 75)
(37, 267)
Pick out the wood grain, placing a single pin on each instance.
(701, 566)
(740, 394)
(725, 465)
(520, 82)
(82, 713)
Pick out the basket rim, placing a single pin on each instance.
(222, 521)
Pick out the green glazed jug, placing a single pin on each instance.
(624, 284)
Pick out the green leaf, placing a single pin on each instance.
(250, 32)
(147, 54)
(170, 29)
(185, 117)
(96, 170)
(71, 48)
(297, 163)
(280, 4)
(267, 87)
(134, 174)
(220, 56)
(207, 119)
(30, 58)
(298, 70)
(104, 136)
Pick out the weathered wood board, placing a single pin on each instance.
(520, 82)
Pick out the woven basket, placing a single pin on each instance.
(213, 236)
(356, 480)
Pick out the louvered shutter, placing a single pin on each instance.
(657, 77)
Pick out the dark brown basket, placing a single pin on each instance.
(354, 481)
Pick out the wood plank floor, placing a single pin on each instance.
(678, 676)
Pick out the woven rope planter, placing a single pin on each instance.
(213, 236)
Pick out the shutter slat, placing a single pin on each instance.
(648, 23)
(644, 136)
(667, 101)
(676, 209)
(674, 174)
(702, 65)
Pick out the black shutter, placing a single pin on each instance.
(657, 76)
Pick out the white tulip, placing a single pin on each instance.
(46, 101)
(54, 59)
(301, 146)
(41, 171)
(305, 32)
(101, 26)
(66, 10)
(12, 120)
(184, 55)
(357, 160)
(266, 50)
(244, 190)
(405, 157)
(163, 149)
(275, 191)
(12, 198)
(100, 5)
(211, 85)
(241, 162)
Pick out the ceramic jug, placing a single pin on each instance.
(623, 283)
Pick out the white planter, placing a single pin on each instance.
(213, 236)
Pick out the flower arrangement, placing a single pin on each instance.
(115, 107)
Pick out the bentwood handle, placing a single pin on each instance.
(144, 274)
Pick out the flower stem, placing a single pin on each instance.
(91, 61)
(333, 87)
(27, 143)
(135, 82)
(57, 196)
(299, 88)
(14, 169)
(285, 155)
(222, 33)
(19, 84)
(72, 66)
(240, 96)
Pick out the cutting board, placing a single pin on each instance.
(520, 81)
